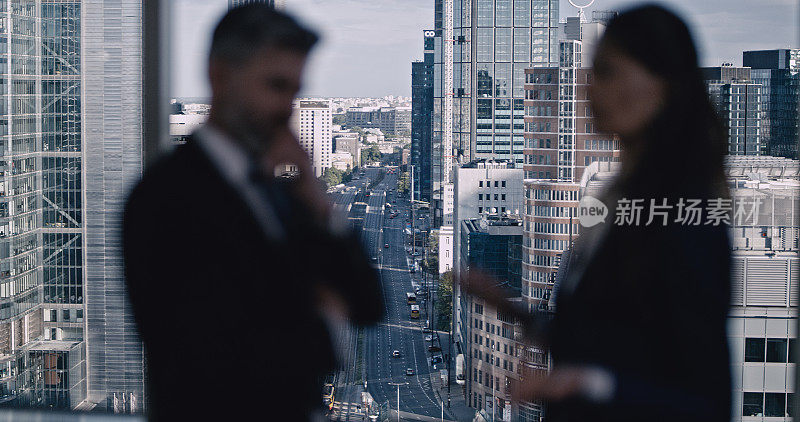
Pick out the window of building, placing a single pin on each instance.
(775, 404)
(753, 404)
(776, 350)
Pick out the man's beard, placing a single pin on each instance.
(254, 136)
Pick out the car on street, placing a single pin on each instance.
(396, 354)
(374, 259)
(428, 338)
(410, 371)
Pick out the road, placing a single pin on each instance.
(399, 331)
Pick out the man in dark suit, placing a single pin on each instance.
(229, 268)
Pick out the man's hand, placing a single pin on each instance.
(286, 150)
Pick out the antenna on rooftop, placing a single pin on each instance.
(580, 8)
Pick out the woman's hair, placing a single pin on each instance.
(682, 151)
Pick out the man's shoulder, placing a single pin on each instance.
(172, 175)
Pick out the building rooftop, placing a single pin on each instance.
(745, 166)
(488, 163)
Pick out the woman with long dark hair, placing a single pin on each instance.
(639, 330)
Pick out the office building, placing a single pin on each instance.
(483, 189)
(348, 142)
(181, 126)
(394, 121)
(765, 268)
(738, 101)
(778, 73)
(560, 143)
(491, 354)
(481, 51)
(312, 123)
(421, 123)
(73, 142)
(421, 130)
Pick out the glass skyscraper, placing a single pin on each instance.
(479, 84)
(421, 110)
(71, 141)
(738, 100)
(778, 73)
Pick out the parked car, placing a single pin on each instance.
(436, 359)
(396, 354)
(428, 338)
(433, 349)
(386, 245)
(410, 371)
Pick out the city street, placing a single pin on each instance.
(399, 332)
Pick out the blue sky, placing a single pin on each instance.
(368, 45)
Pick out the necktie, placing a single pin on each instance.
(273, 192)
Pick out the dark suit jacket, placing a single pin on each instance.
(227, 315)
(651, 307)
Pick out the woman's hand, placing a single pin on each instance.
(589, 382)
(556, 386)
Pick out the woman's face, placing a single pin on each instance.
(625, 97)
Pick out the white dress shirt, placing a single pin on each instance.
(233, 162)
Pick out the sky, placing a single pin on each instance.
(368, 45)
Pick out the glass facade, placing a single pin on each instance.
(70, 83)
(494, 41)
(421, 111)
(778, 73)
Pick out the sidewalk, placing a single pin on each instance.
(458, 409)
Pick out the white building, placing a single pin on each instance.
(312, 121)
(482, 187)
(342, 161)
(347, 141)
(183, 125)
(762, 326)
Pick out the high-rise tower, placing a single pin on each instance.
(421, 110)
(482, 50)
(72, 145)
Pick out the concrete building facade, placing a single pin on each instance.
(312, 123)
(490, 351)
(561, 142)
